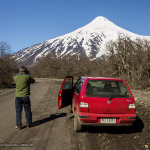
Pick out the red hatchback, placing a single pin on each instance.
(98, 101)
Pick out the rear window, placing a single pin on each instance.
(107, 88)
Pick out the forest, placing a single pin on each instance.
(125, 58)
(8, 65)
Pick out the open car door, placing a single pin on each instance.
(66, 92)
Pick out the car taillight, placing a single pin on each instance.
(131, 108)
(83, 107)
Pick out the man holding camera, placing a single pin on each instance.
(23, 81)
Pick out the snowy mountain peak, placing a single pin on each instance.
(100, 19)
(101, 24)
(89, 40)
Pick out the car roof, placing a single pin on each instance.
(102, 78)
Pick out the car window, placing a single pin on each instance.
(78, 86)
(106, 88)
(67, 84)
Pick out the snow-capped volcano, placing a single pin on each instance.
(89, 40)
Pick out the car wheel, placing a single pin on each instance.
(77, 125)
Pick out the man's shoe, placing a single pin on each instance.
(29, 126)
(19, 128)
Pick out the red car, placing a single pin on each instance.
(98, 101)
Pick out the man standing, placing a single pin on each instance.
(23, 81)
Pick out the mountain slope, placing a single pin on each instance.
(88, 41)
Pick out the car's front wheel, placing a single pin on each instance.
(77, 125)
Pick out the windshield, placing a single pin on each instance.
(107, 88)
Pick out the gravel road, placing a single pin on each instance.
(53, 128)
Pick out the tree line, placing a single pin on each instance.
(126, 59)
(8, 65)
(130, 60)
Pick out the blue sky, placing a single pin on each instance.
(24, 23)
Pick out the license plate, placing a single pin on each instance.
(108, 120)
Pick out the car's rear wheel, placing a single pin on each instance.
(77, 125)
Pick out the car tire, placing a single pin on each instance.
(77, 125)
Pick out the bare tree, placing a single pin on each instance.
(130, 60)
(7, 64)
(126, 59)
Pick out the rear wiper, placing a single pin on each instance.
(111, 98)
(114, 97)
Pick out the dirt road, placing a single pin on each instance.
(53, 128)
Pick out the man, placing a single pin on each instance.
(23, 81)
